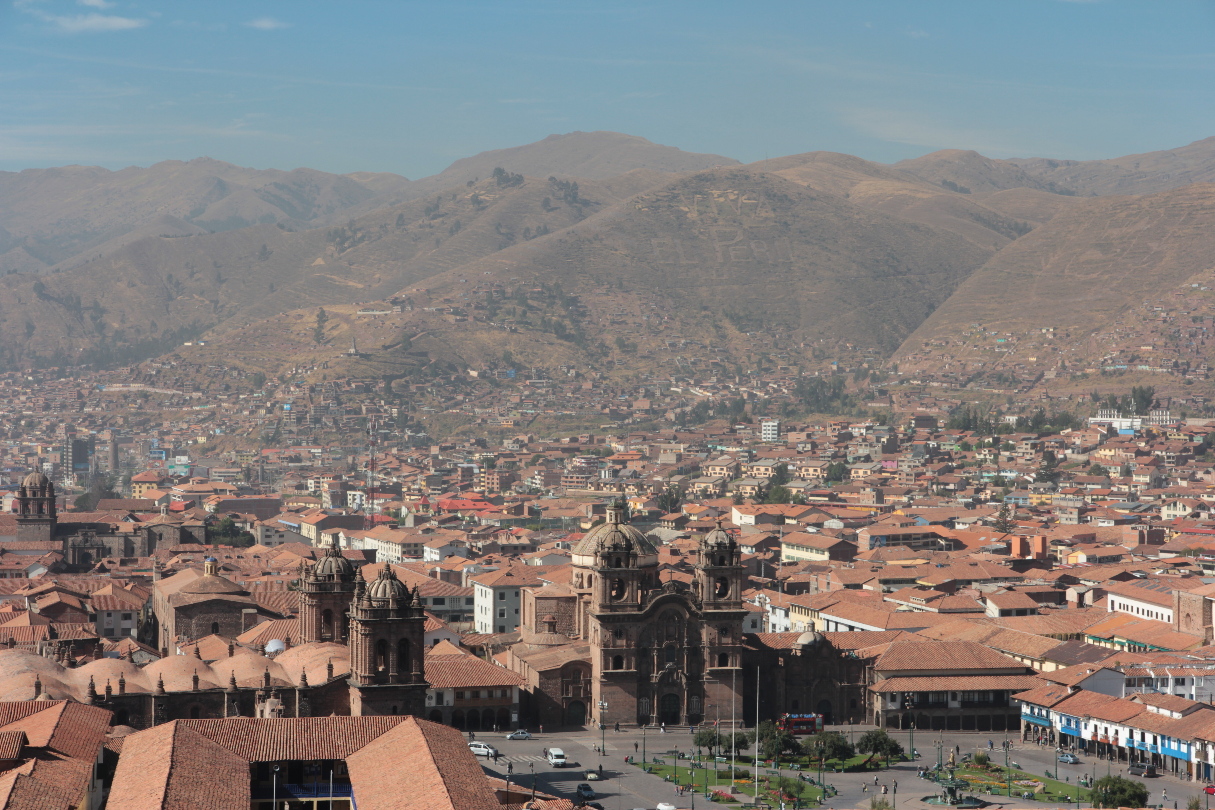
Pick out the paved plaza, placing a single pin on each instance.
(626, 786)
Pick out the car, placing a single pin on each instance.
(665, 806)
(556, 757)
(592, 805)
(1209, 790)
(521, 734)
(481, 749)
(584, 791)
(593, 776)
(1069, 759)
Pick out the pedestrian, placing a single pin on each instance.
(617, 727)
(864, 788)
(896, 786)
(601, 769)
(545, 753)
(1164, 796)
(662, 728)
(634, 748)
(875, 779)
(510, 767)
(541, 728)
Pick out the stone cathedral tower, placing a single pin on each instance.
(387, 648)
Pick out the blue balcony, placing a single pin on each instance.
(311, 790)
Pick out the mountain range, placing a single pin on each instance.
(644, 256)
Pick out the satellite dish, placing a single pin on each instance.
(276, 645)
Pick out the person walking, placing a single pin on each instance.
(545, 753)
(510, 768)
(634, 748)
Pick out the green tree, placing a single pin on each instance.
(778, 494)
(774, 741)
(1142, 398)
(707, 738)
(669, 500)
(832, 745)
(878, 742)
(780, 475)
(1097, 469)
(225, 532)
(1117, 791)
(837, 471)
(318, 333)
(1004, 521)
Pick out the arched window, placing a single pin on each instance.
(618, 589)
(670, 653)
(215, 628)
(381, 655)
(195, 712)
(723, 588)
(618, 662)
(616, 563)
(327, 625)
(723, 659)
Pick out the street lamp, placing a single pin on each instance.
(602, 726)
(908, 704)
(532, 767)
(643, 759)
(274, 789)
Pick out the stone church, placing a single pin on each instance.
(620, 646)
(82, 541)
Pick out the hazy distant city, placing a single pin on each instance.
(759, 406)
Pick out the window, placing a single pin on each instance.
(126, 617)
(438, 600)
(501, 613)
(1181, 681)
(459, 695)
(501, 596)
(439, 698)
(516, 611)
(468, 600)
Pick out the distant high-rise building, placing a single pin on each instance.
(769, 430)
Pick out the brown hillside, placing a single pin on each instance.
(147, 295)
(1132, 174)
(969, 172)
(56, 214)
(1086, 272)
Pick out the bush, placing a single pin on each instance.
(1116, 791)
(981, 759)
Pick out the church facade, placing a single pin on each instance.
(660, 652)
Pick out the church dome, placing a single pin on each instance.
(614, 535)
(718, 537)
(333, 565)
(211, 581)
(809, 639)
(387, 586)
(35, 480)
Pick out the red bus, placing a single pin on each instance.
(800, 724)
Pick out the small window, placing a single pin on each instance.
(126, 617)
(438, 600)
(502, 596)
(468, 600)
(501, 613)
(459, 695)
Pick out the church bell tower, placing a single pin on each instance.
(387, 648)
(36, 513)
(718, 583)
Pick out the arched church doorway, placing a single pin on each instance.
(824, 708)
(575, 713)
(668, 709)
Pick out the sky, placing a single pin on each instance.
(409, 87)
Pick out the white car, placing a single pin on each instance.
(482, 749)
(665, 806)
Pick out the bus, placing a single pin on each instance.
(800, 724)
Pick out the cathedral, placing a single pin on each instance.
(660, 652)
(620, 645)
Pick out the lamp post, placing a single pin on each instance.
(908, 704)
(532, 767)
(1007, 772)
(274, 789)
(643, 759)
(602, 726)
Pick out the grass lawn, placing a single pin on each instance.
(1056, 792)
(703, 777)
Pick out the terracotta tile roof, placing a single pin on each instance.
(11, 743)
(173, 766)
(419, 766)
(462, 670)
(957, 682)
(942, 655)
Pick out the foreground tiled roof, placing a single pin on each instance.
(942, 655)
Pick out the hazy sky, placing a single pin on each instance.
(408, 87)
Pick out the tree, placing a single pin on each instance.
(832, 745)
(318, 333)
(774, 741)
(778, 494)
(100, 486)
(1142, 398)
(837, 471)
(1004, 522)
(1117, 791)
(225, 532)
(1098, 470)
(878, 742)
(780, 475)
(707, 738)
(669, 500)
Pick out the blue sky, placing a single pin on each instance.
(408, 87)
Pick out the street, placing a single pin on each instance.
(626, 786)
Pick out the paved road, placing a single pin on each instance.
(625, 786)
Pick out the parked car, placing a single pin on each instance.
(1069, 759)
(482, 749)
(1209, 790)
(521, 734)
(584, 791)
(1141, 769)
